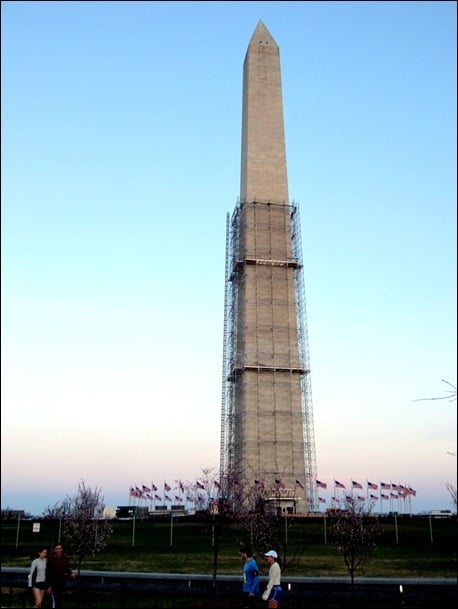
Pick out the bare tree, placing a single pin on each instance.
(266, 527)
(216, 504)
(83, 526)
(452, 490)
(353, 532)
(451, 397)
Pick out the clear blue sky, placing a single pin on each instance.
(120, 160)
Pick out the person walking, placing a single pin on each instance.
(58, 568)
(37, 577)
(250, 577)
(273, 594)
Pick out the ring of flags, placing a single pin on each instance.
(197, 494)
(397, 491)
(200, 494)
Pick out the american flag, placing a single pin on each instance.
(374, 497)
(372, 486)
(299, 484)
(321, 484)
(356, 484)
(200, 485)
(167, 487)
(158, 497)
(146, 489)
(167, 498)
(338, 484)
(279, 483)
(384, 486)
(259, 484)
(153, 487)
(321, 500)
(382, 496)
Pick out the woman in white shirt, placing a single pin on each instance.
(37, 577)
(274, 592)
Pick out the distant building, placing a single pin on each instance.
(12, 514)
(109, 512)
(441, 513)
(125, 512)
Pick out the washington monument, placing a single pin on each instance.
(267, 435)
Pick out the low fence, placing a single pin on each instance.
(119, 589)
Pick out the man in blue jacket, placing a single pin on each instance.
(250, 577)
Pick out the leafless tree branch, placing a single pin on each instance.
(451, 397)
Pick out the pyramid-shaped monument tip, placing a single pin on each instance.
(262, 35)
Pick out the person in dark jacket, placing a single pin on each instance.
(58, 568)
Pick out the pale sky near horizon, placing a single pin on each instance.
(121, 126)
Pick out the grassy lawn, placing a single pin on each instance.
(420, 548)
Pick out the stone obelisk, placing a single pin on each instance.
(267, 423)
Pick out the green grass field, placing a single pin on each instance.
(413, 547)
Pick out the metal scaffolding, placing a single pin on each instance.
(275, 369)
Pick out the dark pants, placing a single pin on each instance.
(248, 601)
(55, 598)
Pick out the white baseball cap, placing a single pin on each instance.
(271, 553)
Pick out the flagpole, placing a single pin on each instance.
(133, 529)
(171, 526)
(18, 525)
